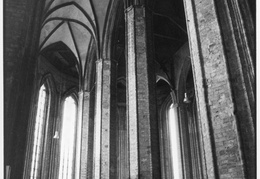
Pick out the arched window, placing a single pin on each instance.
(67, 149)
(180, 143)
(38, 141)
(170, 140)
(174, 139)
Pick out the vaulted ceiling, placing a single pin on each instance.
(76, 24)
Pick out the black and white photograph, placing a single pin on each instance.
(129, 89)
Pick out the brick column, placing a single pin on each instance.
(213, 91)
(242, 75)
(141, 98)
(87, 137)
(105, 117)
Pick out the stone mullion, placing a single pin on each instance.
(141, 97)
(213, 91)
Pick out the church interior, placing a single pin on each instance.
(129, 89)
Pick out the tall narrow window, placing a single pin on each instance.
(174, 142)
(67, 149)
(40, 121)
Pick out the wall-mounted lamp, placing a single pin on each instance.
(186, 99)
(56, 135)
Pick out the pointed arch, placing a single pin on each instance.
(68, 137)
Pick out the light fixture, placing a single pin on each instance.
(56, 135)
(186, 99)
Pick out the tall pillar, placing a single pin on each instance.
(214, 91)
(141, 99)
(240, 55)
(87, 137)
(105, 118)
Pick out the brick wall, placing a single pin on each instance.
(238, 54)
